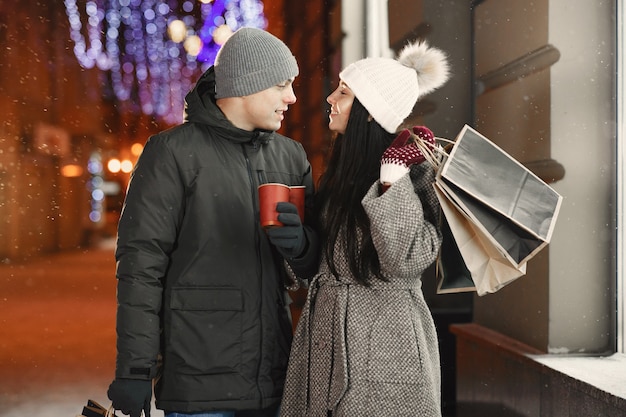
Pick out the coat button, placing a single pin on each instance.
(320, 344)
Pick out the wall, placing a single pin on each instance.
(500, 376)
(450, 30)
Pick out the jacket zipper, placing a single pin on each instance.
(253, 190)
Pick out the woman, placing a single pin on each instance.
(366, 344)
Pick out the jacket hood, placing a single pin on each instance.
(200, 107)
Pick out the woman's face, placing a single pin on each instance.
(340, 102)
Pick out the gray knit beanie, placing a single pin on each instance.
(252, 60)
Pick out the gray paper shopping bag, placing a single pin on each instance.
(514, 207)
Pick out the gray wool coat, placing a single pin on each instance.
(371, 351)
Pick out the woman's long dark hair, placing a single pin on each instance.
(354, 165)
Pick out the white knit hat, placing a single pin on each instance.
(389, 88)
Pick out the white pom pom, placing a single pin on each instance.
(430, 64)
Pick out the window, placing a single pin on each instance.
(621, 178)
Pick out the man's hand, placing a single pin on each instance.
(131, 396)
(288, 239)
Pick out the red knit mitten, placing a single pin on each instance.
(402, 153)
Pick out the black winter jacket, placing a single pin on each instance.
(201, 300)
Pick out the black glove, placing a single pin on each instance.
(289, 239)
(130, 396)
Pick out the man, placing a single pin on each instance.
(201, 300)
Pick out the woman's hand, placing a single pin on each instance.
(403, 152)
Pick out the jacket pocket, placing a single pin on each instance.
(205, 330)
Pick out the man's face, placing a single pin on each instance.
(265, 109)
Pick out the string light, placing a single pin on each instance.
(94, 186)
(154, 50)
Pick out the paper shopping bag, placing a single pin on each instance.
(93, 409)
(514, 242)
(451, 272)
(488, 267)
(514, 208)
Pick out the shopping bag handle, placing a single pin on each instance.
(437, 138)
(111, 412)
(434, 156)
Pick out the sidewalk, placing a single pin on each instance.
(57, 333)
